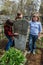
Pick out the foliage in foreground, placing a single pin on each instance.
(12, 57)
(39, 43)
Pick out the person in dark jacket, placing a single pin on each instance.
(9, 34)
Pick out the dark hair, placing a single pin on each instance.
(18, 14)
(9, 22)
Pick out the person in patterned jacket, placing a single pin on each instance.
(9, 33)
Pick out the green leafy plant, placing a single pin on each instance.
(42, 39)
(12, 57)
(39, 43)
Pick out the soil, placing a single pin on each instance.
(36, 59)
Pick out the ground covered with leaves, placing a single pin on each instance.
(36, 59)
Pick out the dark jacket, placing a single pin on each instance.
(8, 30)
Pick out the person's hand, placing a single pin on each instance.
(39, 35)
(16, 34)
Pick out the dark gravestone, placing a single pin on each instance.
(21, 27)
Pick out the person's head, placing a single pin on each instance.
(19, 15)
(9, 22)
(35, 17)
